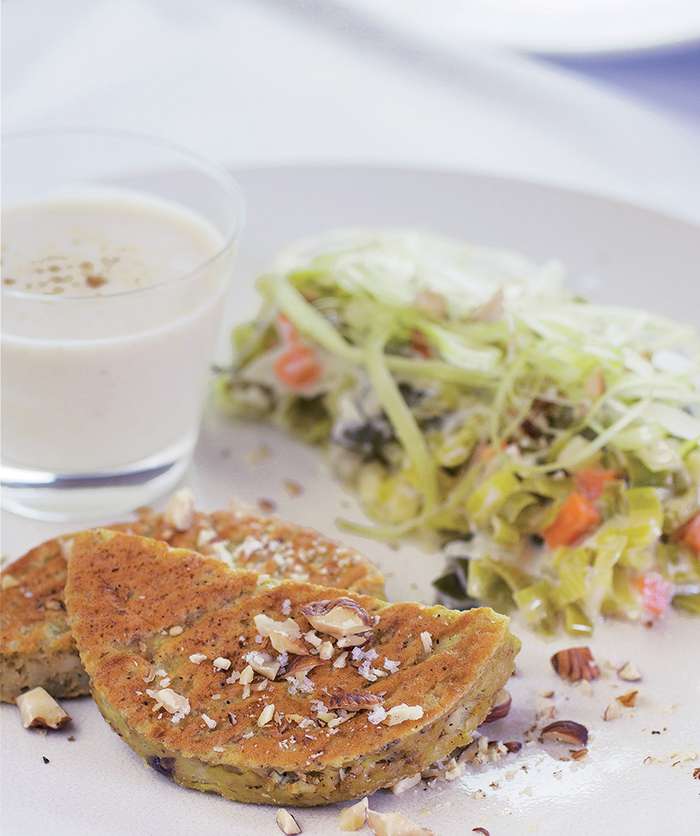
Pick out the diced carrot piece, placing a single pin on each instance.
(656, 593)
(297, 366)
(690, 533)
(420, 344)
(576, 517)
(591, 481)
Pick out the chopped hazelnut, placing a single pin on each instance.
(339, 617)
(629, 699)
(38, 708)
(354, 818)
(406, 784)
(179, 512)
(629, 673)
(266, 715)
(325, 651)
(351, 641)
(394, 824)
(566, 731)
(198, 658)
(500, 708)
(287, 823)
(263, 664)
(612, 711)
(353, 700)
(8, 581)
(401, 713)
(314, 640)
(176, 630)
(285, 636)
(221, 663)
(171, 701)
(427, 641)
(341, 660)
(247, 675)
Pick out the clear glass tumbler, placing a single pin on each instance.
(105, 372)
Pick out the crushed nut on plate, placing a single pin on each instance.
(575, 663)
(565, 731)
(628, 699)
(500, 708)
(286, 822)
(353, 818)
(629, 673)
(612, 711)
(406, 783)
(293, 487)
(38, 709)
(394, 824)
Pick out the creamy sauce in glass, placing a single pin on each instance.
(112, 303)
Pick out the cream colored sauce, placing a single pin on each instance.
(105, 361)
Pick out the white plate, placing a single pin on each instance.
(564, 27)
(96, 785)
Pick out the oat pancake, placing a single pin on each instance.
(274, 692)
(36, 647)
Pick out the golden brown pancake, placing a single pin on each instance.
(36, 648)
(168, 636)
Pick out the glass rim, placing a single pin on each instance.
(212, 169)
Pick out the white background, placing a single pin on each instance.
(258, 82)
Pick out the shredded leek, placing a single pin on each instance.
(482, 392)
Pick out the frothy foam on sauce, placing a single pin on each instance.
(101, 244)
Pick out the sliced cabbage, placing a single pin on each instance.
(499, 386)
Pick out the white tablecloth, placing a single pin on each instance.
(260, 82)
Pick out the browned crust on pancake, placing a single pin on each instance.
(35, 642)
(125, 593)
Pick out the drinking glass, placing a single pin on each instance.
(102, 394)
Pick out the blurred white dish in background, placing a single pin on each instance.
(544, 26)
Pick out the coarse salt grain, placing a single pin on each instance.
(221, 663)
(391, 665)
(426, 641)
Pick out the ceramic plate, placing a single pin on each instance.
(638, 776)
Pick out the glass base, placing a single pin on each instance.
(56, 497)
